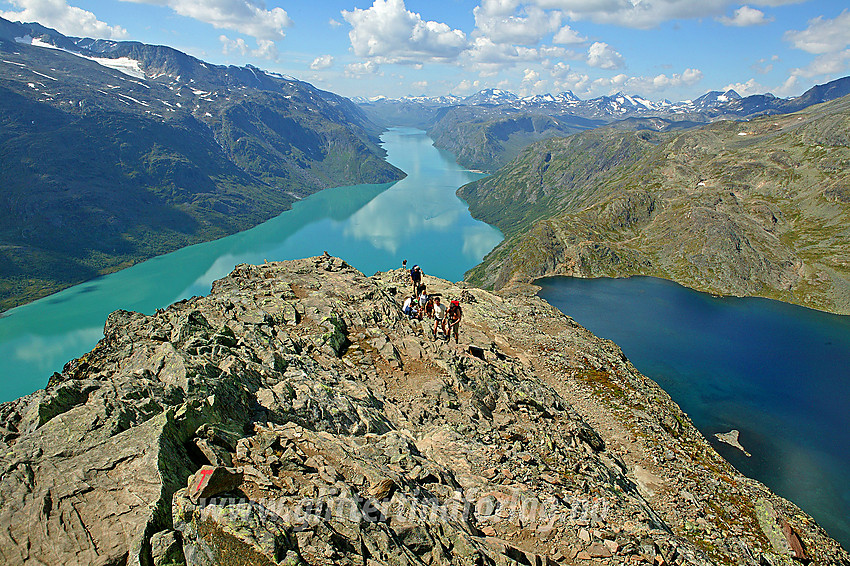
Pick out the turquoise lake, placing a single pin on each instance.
(778, 373)
(373, 227)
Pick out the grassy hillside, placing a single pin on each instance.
(756, 208)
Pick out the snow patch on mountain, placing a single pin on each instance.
(129, 67)
(125, 65)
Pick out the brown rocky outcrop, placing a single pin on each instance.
(295, 416)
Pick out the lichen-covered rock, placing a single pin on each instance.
(348, 435)
(167, 549)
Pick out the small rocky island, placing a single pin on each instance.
(295, 416)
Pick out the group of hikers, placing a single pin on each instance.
(420, 305)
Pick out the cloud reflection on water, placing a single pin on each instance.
(371, 226)
(45, 351)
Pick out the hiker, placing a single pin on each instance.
(423, 297)
(404, 264)
(429, 307)
(416, 277)
(407, 307)
(454, 315)
(439, 317)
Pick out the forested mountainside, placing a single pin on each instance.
(758, 207)
(114, 152)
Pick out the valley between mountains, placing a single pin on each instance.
(114, 152)
(283, 418)
(747, 208)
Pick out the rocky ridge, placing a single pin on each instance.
(295, 416)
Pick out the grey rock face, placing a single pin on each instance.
(324, 427)
(167, 549)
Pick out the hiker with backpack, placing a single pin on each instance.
(429, 307)
(416, 278)
(454, 314)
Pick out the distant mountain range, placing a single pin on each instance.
(113, 152)
(617, 106)
(489, 128)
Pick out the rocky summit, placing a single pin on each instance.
(296, 416)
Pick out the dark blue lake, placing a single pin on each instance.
(778, 373)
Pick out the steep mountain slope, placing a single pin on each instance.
(113, 152)
(295, 416)
(756, 208)
(487, 140)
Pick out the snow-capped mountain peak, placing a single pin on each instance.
(492, 96)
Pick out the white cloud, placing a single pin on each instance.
(826, 38)
(789, 87)
(745, 16)
(467, 85)
(360, 69)
(559, 70)
(485, 51)
(499, 7)
(527, 27)
(530, 76)
(643, 14)
(582, 85)
(635, 14)
(266, 49)
(488, 58)
(826, 64)
(66, 19)
(334, 23)
(646, 85)
(388, 33)
(532, 83)
(747, 88)
(322, 62)
(421, 85)
(576, 82)
(603, 56)
(762, 67)
(822, 35)
(249, 17)
(568, 36)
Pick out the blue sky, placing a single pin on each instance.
(674, 49)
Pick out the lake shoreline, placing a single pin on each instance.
(373, 226)
(779, 373)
